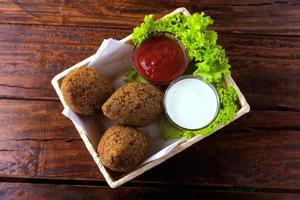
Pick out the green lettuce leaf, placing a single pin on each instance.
(132, 76)
(141, 33)
(168, 130)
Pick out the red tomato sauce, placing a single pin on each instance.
(160, 59)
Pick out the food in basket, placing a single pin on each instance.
(134, 104)
(160, 59)
(207, 61)
(85, 90)
(122, 148)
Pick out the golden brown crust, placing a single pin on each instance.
(85, 90)
(134, 104)
(122, 148)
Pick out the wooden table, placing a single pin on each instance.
(42, 155)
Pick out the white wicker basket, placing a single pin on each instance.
(180, 147)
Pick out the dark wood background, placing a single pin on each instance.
(42, 155)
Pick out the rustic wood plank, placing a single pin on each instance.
(267, 119)
(32, 55)
(249, 158)
(44, 192)
(265, 68)
(256, 17)
(37, 141)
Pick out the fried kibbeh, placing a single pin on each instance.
(134, 104)
(85, 90)
(122, 148)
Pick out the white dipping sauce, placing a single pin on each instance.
(191, 103)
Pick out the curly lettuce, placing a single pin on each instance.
(201, 44)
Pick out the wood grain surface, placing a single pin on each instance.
(259, 153)
(21, 191)
(37, 141)
(234, 16)
(32, 55)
